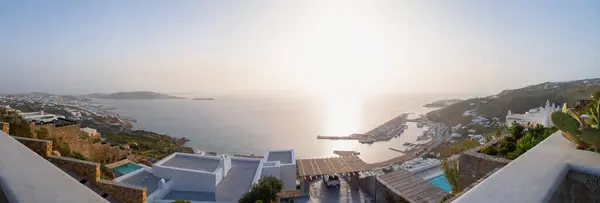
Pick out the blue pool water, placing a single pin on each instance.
(441, 182)
(126, 168)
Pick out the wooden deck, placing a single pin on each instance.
(412, 187)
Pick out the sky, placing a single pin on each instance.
(355, 47)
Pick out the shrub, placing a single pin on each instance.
(517, 130)
(525, 143)
(505, 147)
(489, 150)
(452, 175)
(181, 201)
(266, 190)
(510, 139)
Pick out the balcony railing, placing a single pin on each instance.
(27, 177)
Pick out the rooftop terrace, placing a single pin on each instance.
(142, 178)
(285, 157)
(199, 163)
(238, 181)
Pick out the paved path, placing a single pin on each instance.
(320, 193)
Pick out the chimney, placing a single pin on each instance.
(4, 127)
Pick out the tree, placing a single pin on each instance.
(451, 172)
(265, 190)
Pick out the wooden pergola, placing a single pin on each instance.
(344, 165)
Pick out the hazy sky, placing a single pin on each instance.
(309, 46)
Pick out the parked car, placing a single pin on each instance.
(45, 119)
(332, 181)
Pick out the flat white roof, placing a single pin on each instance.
(238, 181)
(194, 162)
(285, 157)
(143, 179)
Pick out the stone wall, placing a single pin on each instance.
(473, 166)
(4, 127)
(578, 187)
(65, 132)
(41, 147)
(89, 170)
(123, 192)
(78, 142)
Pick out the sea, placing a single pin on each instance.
(255, 124)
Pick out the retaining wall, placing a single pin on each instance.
(473, 166)
(89, 170)
(123, 192)
(40, 147)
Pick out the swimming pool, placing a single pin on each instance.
(441, 182)
(126, 168)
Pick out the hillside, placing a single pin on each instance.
(516, 100)
(134, 95)
(442, 103)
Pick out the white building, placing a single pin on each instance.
(90, 132)
(539, 115)
(200, 178)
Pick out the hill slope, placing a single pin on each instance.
(517, 100)
(134, 95)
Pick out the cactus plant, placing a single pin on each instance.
(581, 130)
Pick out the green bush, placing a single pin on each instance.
(266, 190)
(489, 150)
(510, 139)
(505, 147)
(526, 143)
(517, 130)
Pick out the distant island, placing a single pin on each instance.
(133, 95)
(203, 98)
(442, 103)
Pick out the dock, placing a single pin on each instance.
(336, 138)
(345, 153)
(393, 149)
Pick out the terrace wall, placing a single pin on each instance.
(40, 147)
(84, 145)
(66, 132)
(89, 170)
(123, 192)
(473, 166)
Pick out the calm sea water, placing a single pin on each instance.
(254, 125)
